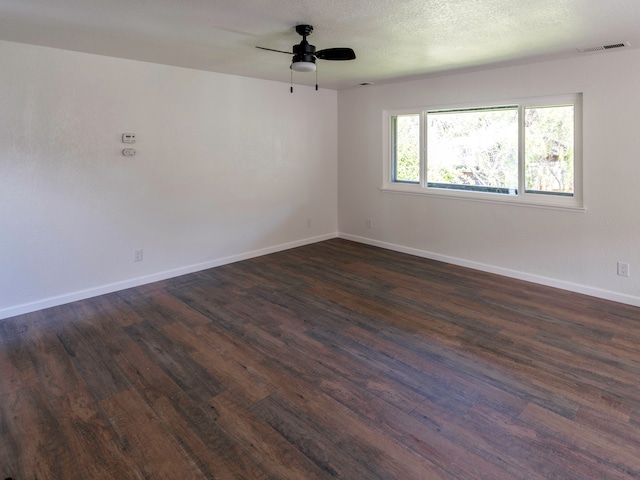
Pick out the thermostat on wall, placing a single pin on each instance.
(128, 138)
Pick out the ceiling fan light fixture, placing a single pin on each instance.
(303, 63)
(303, 66)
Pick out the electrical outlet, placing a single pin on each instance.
(369, 223)
(137, 255)
(308, 222)
(623, 269)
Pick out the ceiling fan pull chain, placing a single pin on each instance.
(316, 79)
(291, 81)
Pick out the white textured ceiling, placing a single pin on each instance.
(393, 39)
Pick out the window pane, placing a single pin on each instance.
(473, 150)
(549, 150)
(406, 148)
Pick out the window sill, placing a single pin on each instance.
(481, 198)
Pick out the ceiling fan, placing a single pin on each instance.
(305, 54)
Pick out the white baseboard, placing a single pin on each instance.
(156, 277)
(550, 282)
(134, 282)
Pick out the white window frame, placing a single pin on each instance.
(574, 202)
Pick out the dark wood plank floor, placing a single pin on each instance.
(334, 360)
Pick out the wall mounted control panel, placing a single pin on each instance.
(128, 138)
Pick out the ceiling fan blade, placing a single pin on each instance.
(336, 54)
(273, 50)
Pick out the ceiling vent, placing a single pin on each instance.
(601, 48)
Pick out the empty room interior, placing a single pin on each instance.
(372, 239)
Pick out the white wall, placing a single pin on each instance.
(576, 251)
(230, 167)
(227, 167)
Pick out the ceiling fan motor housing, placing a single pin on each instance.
(304, 52)
(304, 48)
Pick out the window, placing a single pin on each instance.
(406, 141)
(525, 151)
(549, 150)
